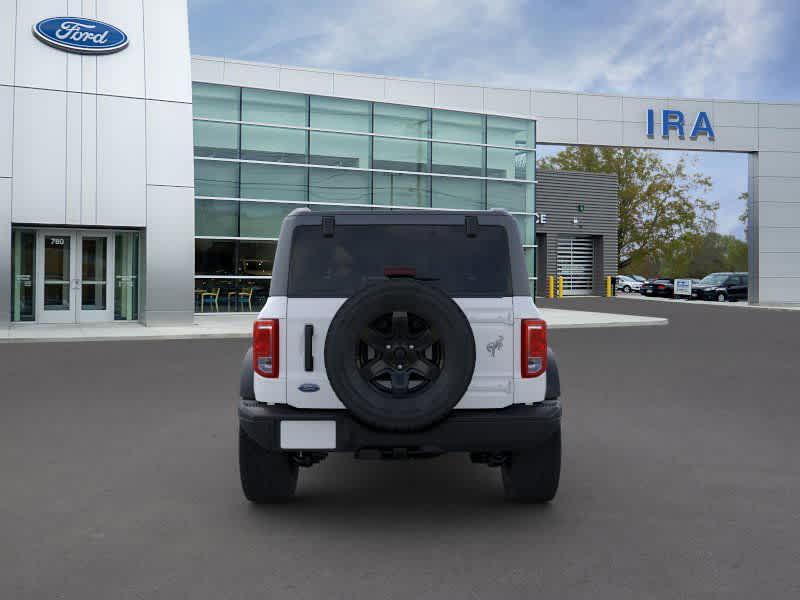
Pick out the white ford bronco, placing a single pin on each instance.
(399, 334)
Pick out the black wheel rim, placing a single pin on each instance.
(399, 354)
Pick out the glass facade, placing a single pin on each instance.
(259, 154)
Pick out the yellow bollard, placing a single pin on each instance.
(551, 287)
(608, 287)
(561, 286)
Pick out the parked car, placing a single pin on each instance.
(638, 278)
(627, 284)
(663, 288)
(722, 287)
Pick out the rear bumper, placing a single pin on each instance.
(513, 428)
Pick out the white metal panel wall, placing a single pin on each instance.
(8, 24)
(169, 144)
(37, 65)
(39, 156)
(167, 58)
(121, 166)
(6, 128)
(121, 73)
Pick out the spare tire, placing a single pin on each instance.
(400, 354)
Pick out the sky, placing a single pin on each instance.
(733, 49)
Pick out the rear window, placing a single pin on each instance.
(359, 255)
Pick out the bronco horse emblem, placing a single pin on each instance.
(494, 346)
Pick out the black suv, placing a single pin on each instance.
(722, 287)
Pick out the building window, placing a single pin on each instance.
(339, 154)
(340, 150)
(126, 276)
(215, 257)
(279, 108)
(506, 131)
(339, 185)
(392, 154)
(457, 126)
(273, 144)
(218, 140)
(457, 159)
(274, 182)
(23, 261)
(215, 101)
(451, 192)
(262, 219)
(395, 189)
(404, 121)
(219, 218)
(216, 178)
(340, 114)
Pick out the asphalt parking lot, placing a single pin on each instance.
(681, 479)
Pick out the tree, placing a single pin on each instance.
(659, 202)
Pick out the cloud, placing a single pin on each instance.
(686, 47)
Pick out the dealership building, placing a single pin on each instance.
(139, 183)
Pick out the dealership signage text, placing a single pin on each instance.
(84, 36)
(674, 120)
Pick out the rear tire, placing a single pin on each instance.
(627, 289)
(267, 477)
(532, 476)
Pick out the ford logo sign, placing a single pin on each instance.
(308, 387)
(84, 36)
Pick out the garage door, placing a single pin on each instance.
(576, 264)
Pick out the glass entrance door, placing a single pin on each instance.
(73, 275)
(56, 277)
(94, 300)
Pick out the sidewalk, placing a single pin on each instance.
(239, 326)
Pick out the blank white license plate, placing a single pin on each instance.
(308, 435)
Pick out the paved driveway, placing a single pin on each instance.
(681, 479)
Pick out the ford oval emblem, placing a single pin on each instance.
(308, 387)
(84, 36)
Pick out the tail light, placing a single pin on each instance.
(661, 287)
(534, 347)
(265, 347)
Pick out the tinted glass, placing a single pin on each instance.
(339, 150)
(356, 256)
(451, 192)
(256, 258)
(457, 126)
(506, 131)
(400, 155)
(280, 108)
(516, 197)
(339, 185)
(509, 164)
(214, 257)
(220, 140)
(273, 182)
(262, 219)
(406, 121)
(216, 178)
(273, 144)
(216, 217)
(336, 113)
(126, 276)
(215, 101)
(457, 159)
(401, 190)
(23, 260)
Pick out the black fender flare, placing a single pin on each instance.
(553, 391)
(246, 387)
